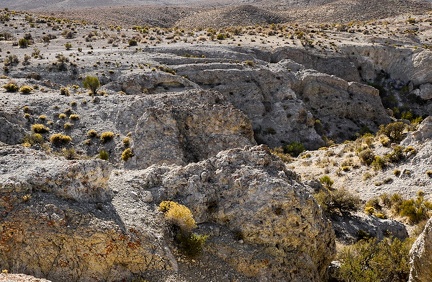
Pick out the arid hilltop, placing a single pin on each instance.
(254, 142)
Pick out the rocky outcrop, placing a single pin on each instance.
(58, 222)
(262, 222)
(252, 195)
(11, 130)
(423, 133)
(421, 256)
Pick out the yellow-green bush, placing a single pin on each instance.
(106, 136)
(393, 130)
(127, 154)
(25, 89)
(340, 200)
(39, 128)
(92, 133)
(103, 155)
(11, 87)
(373, 260)
(178, 215)
(59, 139)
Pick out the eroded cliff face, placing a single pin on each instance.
(91, 228)
(421, 256)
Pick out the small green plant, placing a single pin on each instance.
(294, 149)
(69, 153)
(33, 139)
(25, 89)
(67, 126)
(127, 154)
(68, 46)
(378, 163)
(340, 200)
(106, 136)
(326, 181)
(74, 117)
(23, 43)
(11, 86)
(373, 260)
(126, 142)
(64, 91)
(39, 128)
(394, 131)
(92, 133)
(59, 139)
(92, 83)
(62, 116)
(103, 155)
(366, 156)
(133, 42)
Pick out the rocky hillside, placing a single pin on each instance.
(162, 154)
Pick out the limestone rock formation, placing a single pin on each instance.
(58, 222)
(253, 195)
(421, 256)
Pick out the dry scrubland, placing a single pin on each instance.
(190, 151)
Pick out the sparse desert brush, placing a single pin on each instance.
(126, 141)
(39, 128)
(11, 86)
(74, 117)
(127, 154)
(294, 149)
(59, 139)
(62, 116)
(394, 131)
(366, 156)
(92, 133)
(378, 163)
(64, 91)
(25, 89)
(340, 200)
(68, 46)
(33, 139)
(280, 153)
(92, 83)
(326, 181)
(373, 260)
(69, 153)
(178, 215)
(23, 43)
(67, 126)
(106, 136)
(133, 42)
(103, 155)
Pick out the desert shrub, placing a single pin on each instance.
(62, 116)
(59, 139)
(92, 133)
(369, 210)
(68, 46)
(74, 117)
(68, 126)
(378, 163)
(373, 260)
(92, 83)
(396, 155)
(393, 130)
(326, 181)
(340, 200)
(429, 173)
(366, 156)
(25, 89)
(103, 155)
(11, 60)
(23, 43)
(33, 139)
(126, 142)
(69, 153)
(64, 91)
(294, 149)
(415, 210)
(127, 154)
(106, 136)
(11, 87)
(280, 153)
(191, 244)
(39, 128)
(178, 215)
(133, 42)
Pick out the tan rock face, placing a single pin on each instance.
(57, 221)
(421, 256)
(251, 193)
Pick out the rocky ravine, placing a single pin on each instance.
(192, 112)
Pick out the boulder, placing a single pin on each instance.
(421, 256)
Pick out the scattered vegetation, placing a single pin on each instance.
(181, 219)
(25, 89)
(337, 201)
(59, 139)
(294, 149)
(39, 128)
(103, 155)
(373, 260)
(106, 136)
(11, 86)
(127, 154)
(92, 133)
(92, 83)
